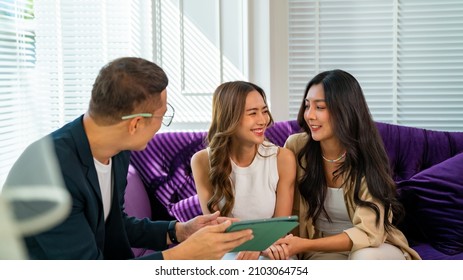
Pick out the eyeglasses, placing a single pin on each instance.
(166, 119)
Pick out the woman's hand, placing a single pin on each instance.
(282, 249)
(248, 255)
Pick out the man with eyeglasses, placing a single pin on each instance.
(127, 107)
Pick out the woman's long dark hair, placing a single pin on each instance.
(366, 157)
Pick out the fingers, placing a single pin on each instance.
(240, 256)
(215, 215)
(207, 219)
(278, 252)
(223, 219)
(245, 234)
(280, 241)
(237, 238)
(210, 217)
(248, 255)
(235, 235)
(285, 252)
(220, 227)
(230, 240)
(268, 253)
(283, 240)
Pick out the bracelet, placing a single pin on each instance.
(171, 232)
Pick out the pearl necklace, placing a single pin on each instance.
(335, 160)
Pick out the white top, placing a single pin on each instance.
(337, 211)
(255, 186)
(104, 179)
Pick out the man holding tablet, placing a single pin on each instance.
(127, 107)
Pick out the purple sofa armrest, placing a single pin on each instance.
(137, 203)
(186, 209)
(164, 167)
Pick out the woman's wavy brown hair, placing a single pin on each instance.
(228, 106)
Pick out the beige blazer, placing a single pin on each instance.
(364, 233)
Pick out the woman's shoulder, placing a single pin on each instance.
(296, 141)
(268, 148)
(298, 137)
(285, 156)
(200, 157)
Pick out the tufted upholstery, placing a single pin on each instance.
(411, 150)
(164, 169)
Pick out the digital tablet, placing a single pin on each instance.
(265, 231)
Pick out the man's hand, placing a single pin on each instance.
(184, 230)
(209, 242)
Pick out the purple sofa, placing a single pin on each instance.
(427, 167)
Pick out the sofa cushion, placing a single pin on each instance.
(433, 200)
(428, 252)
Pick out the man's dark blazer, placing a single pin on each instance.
(85, 234)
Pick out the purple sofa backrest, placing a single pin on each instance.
(164, 165)
(411, 150)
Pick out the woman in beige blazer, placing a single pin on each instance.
(346, 198)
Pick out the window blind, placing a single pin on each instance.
(75, 39)
(430, 64)
(407, 55)
(51, 52)
(17, 58)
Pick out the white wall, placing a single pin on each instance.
(268, 52)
